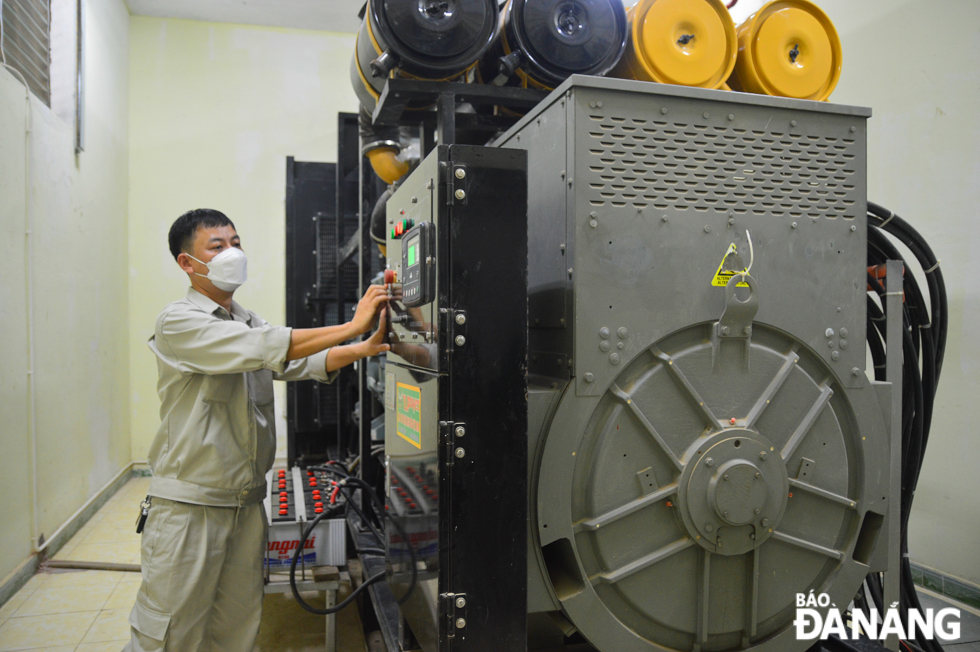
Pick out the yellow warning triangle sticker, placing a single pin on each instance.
(731, 264)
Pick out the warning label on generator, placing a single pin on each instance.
(731, 264)
(409, 412)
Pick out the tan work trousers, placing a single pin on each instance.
(202, 579)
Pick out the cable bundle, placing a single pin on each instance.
(924, 345)
(345, 485)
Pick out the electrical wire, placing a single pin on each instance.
(350, 502)
(731, 4)
(924, 332)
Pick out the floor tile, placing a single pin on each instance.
(79, 579)
(113, 646)
(124, 596)
(109, 534)
(111, 625)
(12, 605)
(120, 552)
(45, 631)
(65, 600)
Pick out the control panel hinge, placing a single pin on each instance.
(454, 605)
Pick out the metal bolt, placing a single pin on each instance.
(829, 332)
(708, 527)
(599, 104)
(710, 462)
(855, 371)
(748, 330)
(725, 513)
(706, 115)
(589, 377)
(620, 345)
(758, 511)
(569, 272)
(460, 194)
(604, 345)
(793, 225)
(757, 476)
(731, 116)
(663, 219)
(460, 173)
(792, 123)
(664, 110)
(752, 535)
(724, 330)
(830, 344)
(460, 453)
(853, 129)
(604, 332)
(593, 223)
(707, 229)
(460, 319)
(726, 478)
(460, 431)
(460, 623)
(843, 332)
(762, 456)
(622, 332)
(731, 221)
(843, 344)
(765, 522)
(853, 228)
(460, 340)
(614, 358)
(460, 602)
(835, 356)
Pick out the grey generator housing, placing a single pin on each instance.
(703, 445)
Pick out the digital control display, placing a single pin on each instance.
(413, 246)
(418, 270)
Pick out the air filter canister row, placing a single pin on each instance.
(542, 42)
(423, 39)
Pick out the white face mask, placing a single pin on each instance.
(227, 270)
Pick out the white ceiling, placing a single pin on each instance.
(327, 15)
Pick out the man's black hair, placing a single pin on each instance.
(183, 229)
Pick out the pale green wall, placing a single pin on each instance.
(215, 111)
(916, 63)
(80, 292)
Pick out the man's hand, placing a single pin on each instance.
(375, 297)
(341, 356)
(375, 344)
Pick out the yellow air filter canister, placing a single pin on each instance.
(788, 48)
(685, 42)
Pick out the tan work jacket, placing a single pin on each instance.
(217, 436)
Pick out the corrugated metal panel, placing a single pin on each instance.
(26, 43)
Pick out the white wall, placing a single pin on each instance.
(916, 63)
(79, 209)
(215, 111)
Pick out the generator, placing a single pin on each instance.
(627, 402)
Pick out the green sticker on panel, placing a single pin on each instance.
(409, 413)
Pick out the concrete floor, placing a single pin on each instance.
(87, 611)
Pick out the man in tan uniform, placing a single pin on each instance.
(205, 526)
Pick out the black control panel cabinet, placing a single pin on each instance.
(456, 401)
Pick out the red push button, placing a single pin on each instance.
(318, 510)
(318, 504)
(390, 276)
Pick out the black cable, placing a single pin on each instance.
(368, 489)
(924, 332)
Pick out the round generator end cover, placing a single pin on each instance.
(567, 37)
(790, 48)
(712, 482)
(435, 38)
(684, 42)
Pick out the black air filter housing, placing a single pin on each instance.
(559, 38)
(427, 39)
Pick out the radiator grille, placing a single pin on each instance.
(705, 167)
